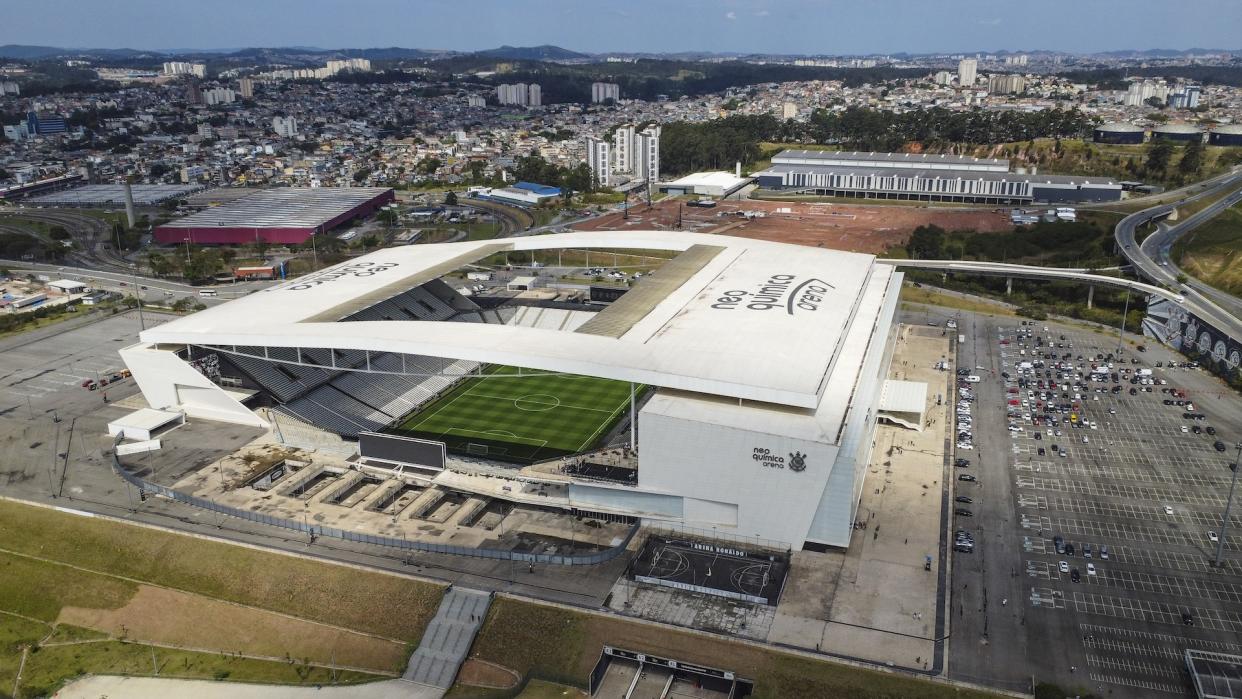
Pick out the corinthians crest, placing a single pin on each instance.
(797, 461)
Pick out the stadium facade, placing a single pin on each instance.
(906, 176)
(277, 216)
(764, 364)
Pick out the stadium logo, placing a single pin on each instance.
(354, 269)
(779, 291)
(797, 462)
(765, 457)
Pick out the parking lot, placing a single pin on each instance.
(1094, 513)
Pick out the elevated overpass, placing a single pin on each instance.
(1012, 271)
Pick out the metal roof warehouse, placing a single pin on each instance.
(287, 215)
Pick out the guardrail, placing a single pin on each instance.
(314, 530)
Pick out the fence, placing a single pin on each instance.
(314, 531)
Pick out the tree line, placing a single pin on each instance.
(717, 144)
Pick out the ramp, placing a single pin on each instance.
(448, 638)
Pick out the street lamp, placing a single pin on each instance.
(133, 269)
(1224, 525)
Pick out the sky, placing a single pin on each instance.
(594, 26)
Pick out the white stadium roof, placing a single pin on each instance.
(732, 317)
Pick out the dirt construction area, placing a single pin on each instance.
(869, 229)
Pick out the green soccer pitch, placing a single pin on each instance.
(508, 416)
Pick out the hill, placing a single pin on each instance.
(532, 53)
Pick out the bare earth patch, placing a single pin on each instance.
(481, 673)
(159, 615)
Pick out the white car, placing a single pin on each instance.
(1064, 566)
(972, 379)
(1090, 569)
(1212, 537)
(1168, 510)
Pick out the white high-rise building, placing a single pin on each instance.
(285, 127)
(789, 110)
(967, 70)
(599, 160)
(245, 87)
(476, 101)
(602, 92)
(623, 148)
(647, 155)
(943, 77)
(198, 70)
(519, 94)
(219, 95)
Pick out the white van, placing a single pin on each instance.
(207, 292)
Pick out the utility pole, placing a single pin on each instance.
(1224, 525)
(142, 323)
(1121, 330)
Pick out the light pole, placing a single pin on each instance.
(1224, 525)
(1121, 330)
(133, 269)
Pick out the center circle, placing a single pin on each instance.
(536, 402)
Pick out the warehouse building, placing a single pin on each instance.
(280, 216)
(926, 178)
(707, 184)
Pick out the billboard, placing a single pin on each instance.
(403, 451)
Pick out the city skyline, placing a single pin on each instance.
(642, 26)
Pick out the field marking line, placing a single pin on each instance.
(424, 418)
(542, 442)
(611, 418)
(562, 404)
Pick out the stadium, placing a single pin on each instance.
(735, 389)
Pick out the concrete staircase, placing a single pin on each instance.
(448, 638)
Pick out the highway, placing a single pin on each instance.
(1150, 259)
(999, 269)
(124, 281)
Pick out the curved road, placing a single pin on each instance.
(1150, 259)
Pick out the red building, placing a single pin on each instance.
(284, 216)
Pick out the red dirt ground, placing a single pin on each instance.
(869, 229)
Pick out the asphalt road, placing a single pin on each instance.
(1214, 306)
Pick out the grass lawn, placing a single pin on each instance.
(538, 689)
(935, 297)
(51, 666)
(1213, 251)
(522, 418)
(561, 645)
(371, 602)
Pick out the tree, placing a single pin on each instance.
(362, 174)
(1192, 158)
(476, 168)
(926, 243)
(369, 241)
(1158, 154)
(388, 217)
(451, 198)
(58, 233)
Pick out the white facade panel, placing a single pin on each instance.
(775, 493)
